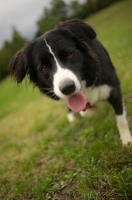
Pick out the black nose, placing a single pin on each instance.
(67, 87)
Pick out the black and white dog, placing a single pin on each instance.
(69, 63)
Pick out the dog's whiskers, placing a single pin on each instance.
(45, 88)
(50, 92)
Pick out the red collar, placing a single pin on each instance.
(88, 105)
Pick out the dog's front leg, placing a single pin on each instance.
(71, 116)
(122, 123)
(123, 128)
(89, 112)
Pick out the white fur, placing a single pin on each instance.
(88, 113)
(94, 94)
(71, 117)
(123, 128)
(61, 75)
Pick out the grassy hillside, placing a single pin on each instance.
(43, 157)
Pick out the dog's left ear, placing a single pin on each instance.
(19, 63)
(79, 28)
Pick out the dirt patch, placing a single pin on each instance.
(67, 193)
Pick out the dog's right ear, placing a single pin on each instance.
(20, 62)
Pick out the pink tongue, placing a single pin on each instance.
(77, 102)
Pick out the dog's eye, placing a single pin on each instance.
(44, 68)
(69, 55)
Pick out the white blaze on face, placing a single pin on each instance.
(61, 75)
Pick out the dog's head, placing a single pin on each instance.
(55, 62)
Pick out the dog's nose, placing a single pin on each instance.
(67, 87)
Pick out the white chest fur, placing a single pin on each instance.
(94, 94)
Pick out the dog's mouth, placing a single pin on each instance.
(70, 90)
(77, 102)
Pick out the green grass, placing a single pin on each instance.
(43, 157)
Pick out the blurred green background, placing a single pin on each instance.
(42, 156)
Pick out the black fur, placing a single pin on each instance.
(91, 63)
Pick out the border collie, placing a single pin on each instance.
(69, 63)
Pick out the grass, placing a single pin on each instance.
(43, 157)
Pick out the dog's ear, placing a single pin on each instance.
(78, 28)
(20, 62)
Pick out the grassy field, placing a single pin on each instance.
(43, 157)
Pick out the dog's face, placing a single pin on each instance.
(54, 62)
(57, 65)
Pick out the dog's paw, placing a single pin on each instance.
(88, 113)
(71, 117)
(126, 140)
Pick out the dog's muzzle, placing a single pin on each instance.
(67, 87)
